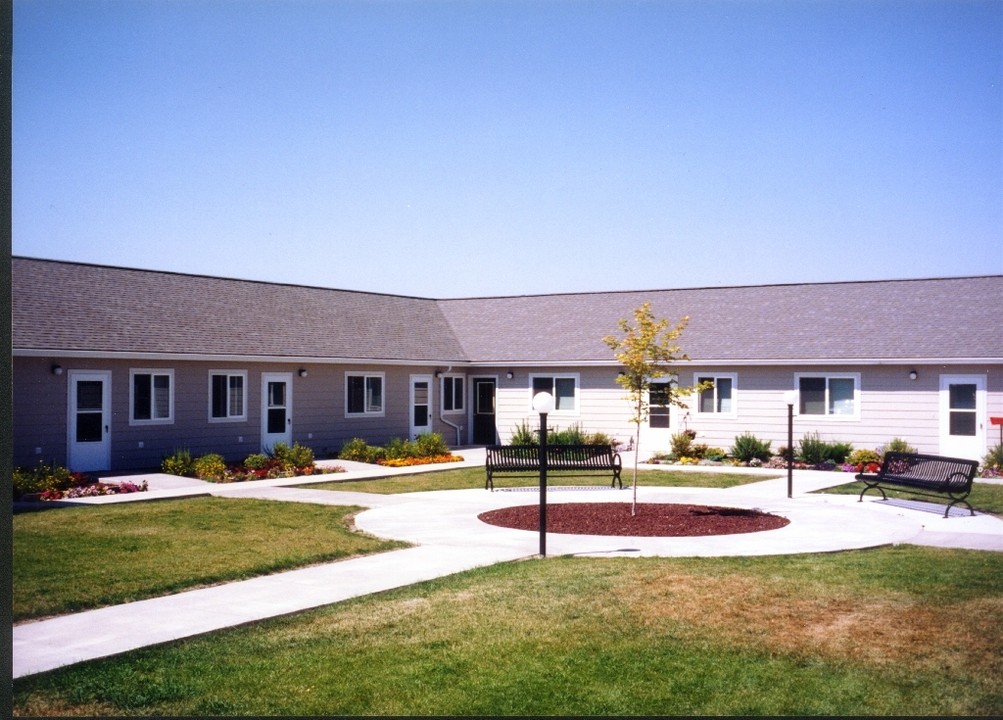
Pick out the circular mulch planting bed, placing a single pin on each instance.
(651, 520)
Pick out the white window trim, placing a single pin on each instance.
(169, 372)
(559, 376)
(383, 384)
(733, 413)
(442, 395)
(828, 417)
(229, 418)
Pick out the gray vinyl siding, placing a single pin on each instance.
(39, 413)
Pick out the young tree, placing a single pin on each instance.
(647, 352)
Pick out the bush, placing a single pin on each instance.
(430, 445)
(43, 478)
(574, 435)
(838, 451)
(864, 457)
(813, 449)
(897, 445)
(257, 461)
(682, 443)
(211, 467)
(297, 456)
(180, 463)
(599, 438)
(358, 450)
(994, 458)
(715, 454)
(524, 435)
(748, 447)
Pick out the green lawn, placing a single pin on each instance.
(899, 630)
(69, 559)
(473, 477)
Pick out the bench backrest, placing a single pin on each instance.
(933, 471)
(528, 456)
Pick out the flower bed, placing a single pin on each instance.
(408, 462)
(94, 489)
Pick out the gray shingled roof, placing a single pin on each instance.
(75, 307)
(940, 318)
(67, 307)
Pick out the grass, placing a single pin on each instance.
(985, 497)
(897, 630)
(473, 477)
(71, 559)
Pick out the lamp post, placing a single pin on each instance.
(543, 403)
(790, 397)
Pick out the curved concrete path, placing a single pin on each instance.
(449, 538)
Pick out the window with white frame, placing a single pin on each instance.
(151, 396)
(564, 389)
(364, 393)
(719, 395)
(227, 395)
(452, 393)
(659, 401)
(832, 394)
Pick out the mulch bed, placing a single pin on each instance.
(651, 520)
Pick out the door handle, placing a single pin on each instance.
(106, 428)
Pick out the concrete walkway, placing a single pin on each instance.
(449, 539)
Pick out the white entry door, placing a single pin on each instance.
(89, 426)
(963, 416)
(276, 410)
(421, 405)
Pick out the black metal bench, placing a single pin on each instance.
(525, 460)
(930, 475)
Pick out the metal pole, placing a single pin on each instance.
(543, 484)
(790, 449)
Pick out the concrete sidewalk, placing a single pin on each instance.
(449, 538)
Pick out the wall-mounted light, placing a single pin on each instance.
(913, 375)
(302, 372)
(57, 369)
(438, 373)
(510, 374)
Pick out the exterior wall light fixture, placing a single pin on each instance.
(57, 369)
(302, 372)
(913, 375)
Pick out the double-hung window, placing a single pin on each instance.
(452, 393)
(227, 395)
(719, 396)
(831, 395)
(364, 393)
(659, 396)
(564, 389)
(151, 396)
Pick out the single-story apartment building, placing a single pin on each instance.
(114, 368)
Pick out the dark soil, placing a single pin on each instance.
(651, 520)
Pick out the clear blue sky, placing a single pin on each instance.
(457, 148)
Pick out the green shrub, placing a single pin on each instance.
(398, 449)
(715, 453)
(297, 456)
(748, 447)
(524, 435)
(358, 450)
(180, 463)
(682, 443)
(897, 445)
(40, 478)
(256, 461)
(574, 435)
(813, 449)
(430, 445)
(211, 467)
(863, 457)
(599, 438)
(838, 451)
(994, 458)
